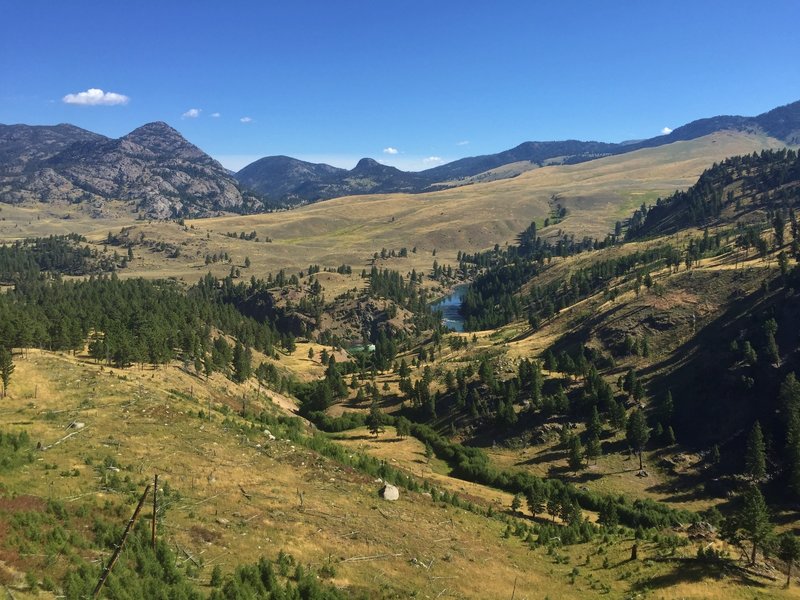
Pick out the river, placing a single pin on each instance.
(449, 305)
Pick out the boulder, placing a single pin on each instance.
(390, 492)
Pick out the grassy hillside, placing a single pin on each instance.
(350, 230)
(231, 494)
(204, 386)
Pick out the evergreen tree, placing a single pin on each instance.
(375, 419)
(618, 418)
(755, 464)
(242, 363)
(593, 448)
(402, 427)
(216, 576)
(771, 346)
(575, 453)
(753, 520)
(789, 552)
(670, 436)
(553, 505)
(790, 404)
(428, 452)
(608, 515)
(6, 368)
(516, 503)
(667, 408)
(638, 433)
(404, 371)
(536, 497)
(593, 426)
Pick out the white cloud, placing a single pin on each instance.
(432, 160)
(95, 97)
(463, 143)
(666, 131)
(390, 150)
(246, 120)
(215, 115)
(192, 113)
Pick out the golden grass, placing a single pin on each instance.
(147, 421)
(350, 230)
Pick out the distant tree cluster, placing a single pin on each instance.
(770, 177)
(56, 254)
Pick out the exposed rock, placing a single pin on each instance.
(701, 530)
(153, 166)
(389, 492)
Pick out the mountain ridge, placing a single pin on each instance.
(163, 175)
(782, 123)
(153, 166)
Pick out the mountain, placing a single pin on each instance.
(153, 167)
(276, 176)
(24, 144)
(289, 181)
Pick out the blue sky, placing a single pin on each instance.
(409, 83)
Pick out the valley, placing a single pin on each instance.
(627, 324)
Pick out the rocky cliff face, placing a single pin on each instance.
(153, 167)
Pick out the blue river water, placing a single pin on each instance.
(449, 306)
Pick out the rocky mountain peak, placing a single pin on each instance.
(153, 166)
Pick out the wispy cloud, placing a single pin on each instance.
(390, 150)
(666, 131)
(432, 160)
(95, 97)
(463, 143)
(246, 120)
(192, 113)
(215, 115)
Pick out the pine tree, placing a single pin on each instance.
(670, 436)
(6, 368)
(536, 497)
(755, 464)
(754, 520)
(593, 448)
(618, 418)
(375, 419)
(242, 363)
(638, 433)
(608, 515)
(790, 405)
(667, 408)
(516, 503)
(593, 426)
(789, 552)
(575, 454)
(402, 427)
(553, 505)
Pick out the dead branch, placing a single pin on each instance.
(375, 557)
(189, 556)
(66, 437)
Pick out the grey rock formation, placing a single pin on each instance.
(154, 168)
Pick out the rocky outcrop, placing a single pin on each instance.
(153, 167)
